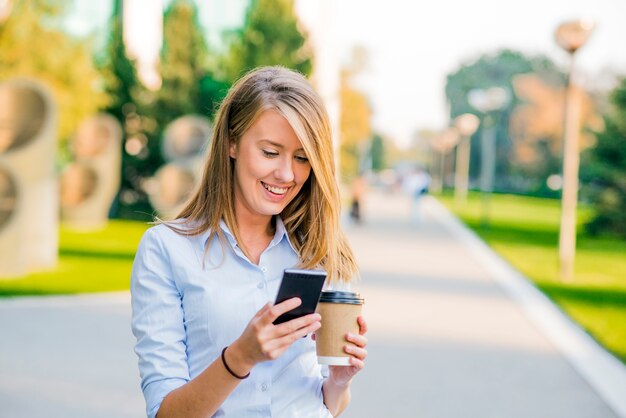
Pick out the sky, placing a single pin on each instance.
(412, 45)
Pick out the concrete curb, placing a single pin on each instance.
(604, 373)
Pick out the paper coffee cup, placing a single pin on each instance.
(339, 311)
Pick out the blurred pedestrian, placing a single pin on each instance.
(416, 185)
(202, 286)
(359, 185)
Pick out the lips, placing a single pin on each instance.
(274, 189)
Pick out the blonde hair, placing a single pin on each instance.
(312, 218)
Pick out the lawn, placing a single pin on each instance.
(524, 230)
(97, 261)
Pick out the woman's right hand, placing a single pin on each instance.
(262, 340)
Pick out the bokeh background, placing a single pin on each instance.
(106, 111)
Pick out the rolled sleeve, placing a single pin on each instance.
(157, 322)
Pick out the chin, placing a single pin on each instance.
(271, 211)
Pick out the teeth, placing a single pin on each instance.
(276, 190)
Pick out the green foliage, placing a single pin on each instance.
(498, 70)
(270, 36)
(355, 126)
(32, 45)
(127, 104)
(377, 153)
(97, 261)
(525, 230)
(604, 171)
(188, 86)
(121, 82)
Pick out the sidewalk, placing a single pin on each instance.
(449, 337)
(446, 338)
(68, 357)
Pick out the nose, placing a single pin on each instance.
(284, 170)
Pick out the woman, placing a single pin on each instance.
(202, 285)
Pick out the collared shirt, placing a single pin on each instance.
(188, 305)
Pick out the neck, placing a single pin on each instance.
(252, 225)
(256, 234)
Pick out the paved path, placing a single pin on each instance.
(445, 340)
(68, 357)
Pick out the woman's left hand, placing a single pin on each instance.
(341, 375)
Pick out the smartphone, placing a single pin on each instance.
(305, 284)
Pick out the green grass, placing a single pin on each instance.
(88, 262)
(524, 230)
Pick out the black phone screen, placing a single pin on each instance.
(305, 284)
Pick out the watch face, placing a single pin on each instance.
(8, 197)
(22, 115)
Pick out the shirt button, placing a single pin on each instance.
(261, 285)
(264, 269)
(264, 387)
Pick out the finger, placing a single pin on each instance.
(357, 352)
(362, 325)
(282, 343)
(358, 364)
(357, 339)
(279, 309)
(297, 323)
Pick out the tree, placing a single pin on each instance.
(355, 119)
(355, 127)
(188, 86)
(377, 152)
(127, 105)
(32, 45)
(604, 170)
(119, 72)
(536, 128)
(499, 70)
(270, 36)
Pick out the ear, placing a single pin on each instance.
(232, 149)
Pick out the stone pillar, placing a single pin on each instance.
(28, 186)
(90, 183)
(185, 145)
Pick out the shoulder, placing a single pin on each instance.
(162, 246)
(165, 236)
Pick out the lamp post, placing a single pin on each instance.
(488, 102)
(570, 36)
(466, 124)
(443, 143)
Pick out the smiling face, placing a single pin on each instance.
(270, 167)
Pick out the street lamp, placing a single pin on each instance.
(466, 124)
(488, 102)
(570, 36)
(443, 143)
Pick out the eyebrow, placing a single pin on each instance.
(277, 145)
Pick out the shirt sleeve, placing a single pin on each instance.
(157, 322)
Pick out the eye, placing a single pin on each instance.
(301, 159)
(269, 154)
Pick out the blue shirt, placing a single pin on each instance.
(188, 305)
